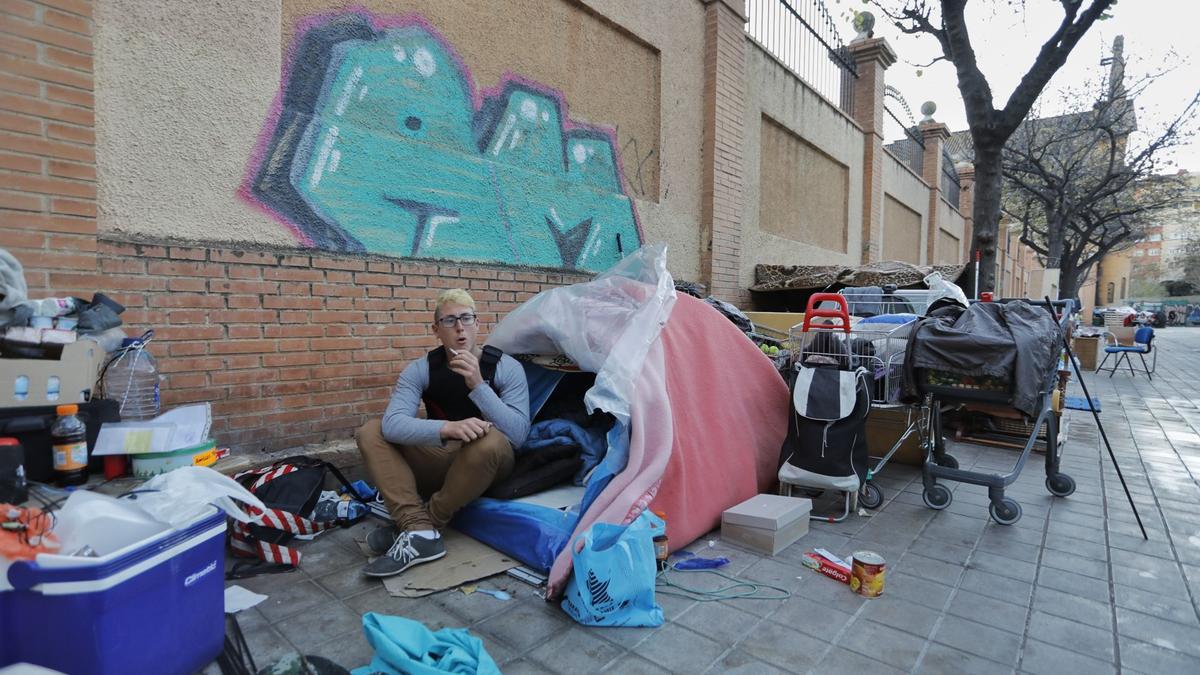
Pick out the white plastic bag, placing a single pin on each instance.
(940, 288)
(104, 523)
(180, 496)
(605, 325)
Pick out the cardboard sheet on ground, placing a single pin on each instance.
(466, 560)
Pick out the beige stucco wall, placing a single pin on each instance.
(948, 249)
(906, 217)
(803, 192)
(183, 89)
(1115, 269)
(773, 91)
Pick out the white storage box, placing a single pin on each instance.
(766, 523)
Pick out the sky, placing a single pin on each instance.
(1007, 38)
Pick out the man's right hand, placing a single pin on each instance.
(466, 430)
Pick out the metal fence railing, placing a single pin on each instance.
(802, 34)
(909, 150)
(951, 187)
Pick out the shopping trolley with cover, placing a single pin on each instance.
(945, 388)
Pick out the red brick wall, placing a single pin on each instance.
(291, 347)
(47, 154)
(723, 193)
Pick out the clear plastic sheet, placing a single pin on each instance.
(605, 325)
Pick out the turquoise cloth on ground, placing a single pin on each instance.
(404, 646)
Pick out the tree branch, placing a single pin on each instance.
(1050, 58)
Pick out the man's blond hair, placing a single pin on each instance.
(452, 296)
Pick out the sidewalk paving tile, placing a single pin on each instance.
(963, 594)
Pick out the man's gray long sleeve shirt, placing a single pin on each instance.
(508, 410)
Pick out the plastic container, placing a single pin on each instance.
(662, 547)
(132, 379)
(150, 464)
(156, 607)
(69, 439)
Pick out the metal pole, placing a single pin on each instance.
(978, 256)
(1096, 415)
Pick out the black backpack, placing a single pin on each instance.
(289, 489)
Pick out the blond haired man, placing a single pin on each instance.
(477, 402)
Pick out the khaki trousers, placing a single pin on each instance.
(449, 477)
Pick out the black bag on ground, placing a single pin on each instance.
(534, 472)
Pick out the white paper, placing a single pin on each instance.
(238, 598)
(192, 424)
(134, 438)
(183, 427)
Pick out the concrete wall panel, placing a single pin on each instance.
(804, 191)
(950, 233)
(779, 104)
(907, 199)
(904, 230)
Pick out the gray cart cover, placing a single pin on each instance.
(1014, 340)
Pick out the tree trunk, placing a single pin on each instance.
(986, 214)
(1069, 278)
(1056, 241)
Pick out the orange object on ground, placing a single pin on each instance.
(25, 532)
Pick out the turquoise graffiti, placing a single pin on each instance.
(380, 144)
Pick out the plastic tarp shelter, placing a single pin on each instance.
(700, 412)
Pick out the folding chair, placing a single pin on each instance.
(1143, 339)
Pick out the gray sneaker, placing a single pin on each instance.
(380, 539)
(406, 551)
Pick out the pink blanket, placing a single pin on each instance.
(730, 410)
(708, 417)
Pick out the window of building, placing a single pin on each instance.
(1138, 253)
(1122, 288)
(1155, 251)
(1111, 287)
(1156, 237)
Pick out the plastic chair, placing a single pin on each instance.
(1143, 340)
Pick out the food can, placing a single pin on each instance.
(867, 572)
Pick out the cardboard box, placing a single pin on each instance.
(76, 371)
(1086, 349)
(766, 523)
(885, 426)
(778, 321)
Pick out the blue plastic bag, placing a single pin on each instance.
(612, 583)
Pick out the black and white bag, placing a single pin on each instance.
(826, 445)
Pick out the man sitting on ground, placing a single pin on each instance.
(477, 401)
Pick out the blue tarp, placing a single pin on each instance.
(535, 534)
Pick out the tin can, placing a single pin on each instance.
(867, 573)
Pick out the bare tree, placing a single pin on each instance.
(990, 126)
(1080, 189)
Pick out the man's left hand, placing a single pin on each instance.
(466, 364)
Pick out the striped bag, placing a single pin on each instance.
(290, 490)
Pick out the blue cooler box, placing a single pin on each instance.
(158, 608)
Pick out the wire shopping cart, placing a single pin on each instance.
(870, 331)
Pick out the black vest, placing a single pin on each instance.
(447, 396)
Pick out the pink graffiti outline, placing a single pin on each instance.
(478, 96)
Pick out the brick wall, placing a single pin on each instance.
(291, 347)
(47, 138)
(723, 191)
